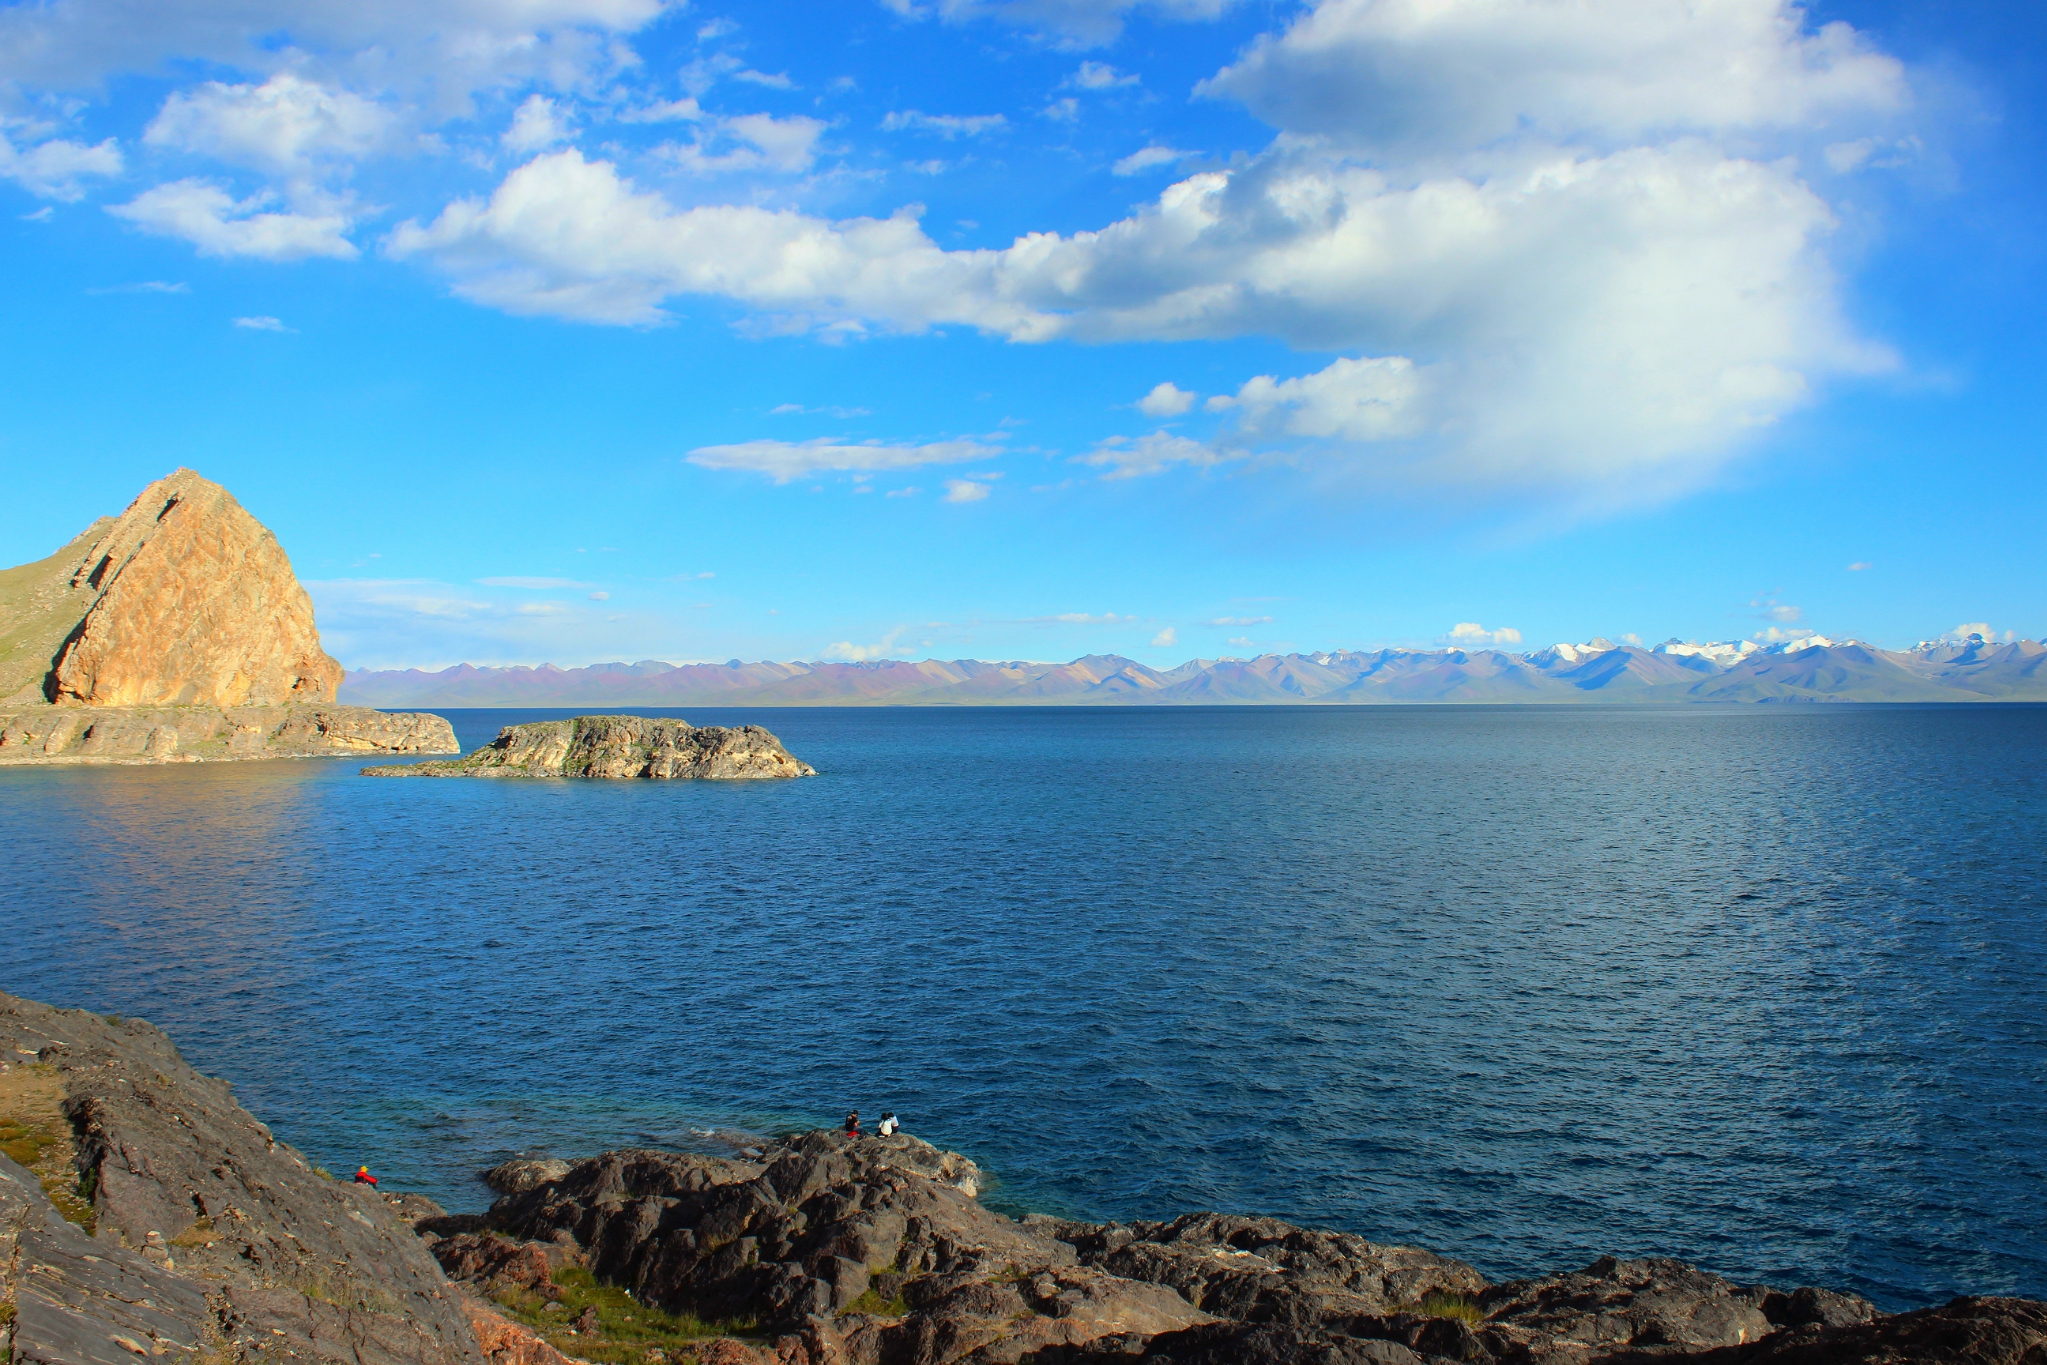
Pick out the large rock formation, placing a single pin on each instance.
(187, 600)
(192, 1228)
(619, 746)
(176, 631)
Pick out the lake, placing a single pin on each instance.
(1761, 988)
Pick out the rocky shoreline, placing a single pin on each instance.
(145, 1214)
(46, 735)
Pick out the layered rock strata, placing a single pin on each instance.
(210, 1239)
(619, 746)
(186, 734)
(183, 599)
(177, 631)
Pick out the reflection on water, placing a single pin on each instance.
(1758, 988)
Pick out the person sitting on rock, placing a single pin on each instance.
(853, 1124)
(888, 1124)
(363, 1176)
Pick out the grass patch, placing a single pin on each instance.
(323, 1173)
(872, 1302)
(200, 1234)
(6, 1315)
(45, 1150)
(626, 1332)
(1438, 1303)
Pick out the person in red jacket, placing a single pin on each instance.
(363, 1176)
(853, 1124)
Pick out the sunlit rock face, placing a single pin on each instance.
(192, 602)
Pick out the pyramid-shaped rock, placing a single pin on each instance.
(192, 602)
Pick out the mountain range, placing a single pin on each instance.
(1812, 669)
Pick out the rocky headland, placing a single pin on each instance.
(177, 632)
(618, 746)
(145, 1214)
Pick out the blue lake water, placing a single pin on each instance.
(1764, 989)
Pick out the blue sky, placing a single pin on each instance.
(578, 330)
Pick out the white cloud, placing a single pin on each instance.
(1166, 400)
(1510, 311)
(1960, 634)
(1071, 23)
(56, 168)
(1860, 565)
(1472, 635)
(262, 324)
(750, 142)
(600, 597)
(1099, 76)
(214, 221)
(1240, 621)
(964, 490)
(881, 649)
(1771, 609)
(1166, 638)
(1359, 400)
(1153, 453)
(910, 492)
(1144, 158)
(145, 287)
(774, 81)
(947, 126)
(287, 126)
(537, 125)
(434, 52)
(42, 215)
(1243, 642)
(784, 461)
(1079, 618)
(1454, 75)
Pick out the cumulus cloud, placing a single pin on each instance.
(537, 124)
(947, 126)
(851, 653)
(262, 323)
(965, 490)
(1070, 23)
(1144, 158)
(1240, 621)
(750, 142)
(1166, 400)
(1166, 638)
(1961, 634)
(784, 461)
(1770, 608)
(57, 167)
(1099, 76)
(211, 219)
(1447, 76)
(1860, 566)
(1550, 245)
(287, 125)
(1126, 457)
(1472, 635)
(436, 52)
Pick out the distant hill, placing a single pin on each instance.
(1814, 669)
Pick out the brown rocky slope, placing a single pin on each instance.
(176, 631)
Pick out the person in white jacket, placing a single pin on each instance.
(888, 1124)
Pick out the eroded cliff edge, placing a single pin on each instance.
(151, 1216)
(173, 632)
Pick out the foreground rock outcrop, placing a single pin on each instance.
(619, 746)
(194, 1233)
(144, 1215)
(173, 632)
